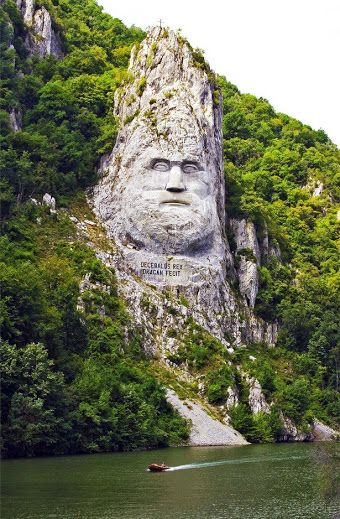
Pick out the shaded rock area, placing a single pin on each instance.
(27, 8)
(291, 433)
(205, 429)
(317, 431)
(232, 398)
(15, 120)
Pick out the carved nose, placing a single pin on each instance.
(175, 180)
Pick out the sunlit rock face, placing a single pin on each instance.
(27, 8)
(248, 252)
(42, 40)
(162, 191)
(160, 194)
(167, 204)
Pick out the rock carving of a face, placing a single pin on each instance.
(163, 189)
(168, 205)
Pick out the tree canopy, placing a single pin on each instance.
(78, 381)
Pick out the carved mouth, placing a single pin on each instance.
(175, 200)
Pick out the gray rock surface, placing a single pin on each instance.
(322, 432)
(248, 258)
(49, 201)
(43, 39)
(256, 399)
(318, 188)
(166, 168)
(205, 430)
(232, 398)
(87, 285)
(290, 432)
(160, 193)
(15, 120)
(27, 8)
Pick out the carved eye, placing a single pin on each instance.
(161, 165)
(190, 168)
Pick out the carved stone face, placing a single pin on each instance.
(167, 205)
(162, 188)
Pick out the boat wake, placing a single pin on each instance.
(230, 462)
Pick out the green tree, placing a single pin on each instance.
(33, 401)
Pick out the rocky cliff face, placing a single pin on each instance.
(256, 399)
(168, 179)
(248, 259)
(42, 39)
(27, 8)
(161, 192)
(160, 196)
(15, 120)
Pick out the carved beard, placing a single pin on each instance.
(165, 228)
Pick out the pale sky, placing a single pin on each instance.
(287, 51)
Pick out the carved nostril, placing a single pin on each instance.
(174, 189)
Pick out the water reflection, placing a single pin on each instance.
(327, 473)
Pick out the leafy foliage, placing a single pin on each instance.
(73, 381)
(66, 105)
(77, 381)
(273, 164)
(95, 395)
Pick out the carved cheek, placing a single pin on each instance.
(197, 186)
(150, 180)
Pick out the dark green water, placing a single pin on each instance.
(295, 481)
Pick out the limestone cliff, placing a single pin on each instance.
(174, 236)
(42, 38)
(248, 259)
(160, 196)
(257, 401)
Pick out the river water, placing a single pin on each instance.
(293, 481)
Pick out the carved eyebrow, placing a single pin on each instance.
(192, 163)
(155, 161)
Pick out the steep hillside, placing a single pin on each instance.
(81, 372)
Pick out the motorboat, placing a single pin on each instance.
(155, 467)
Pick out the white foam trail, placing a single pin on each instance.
(230, 462)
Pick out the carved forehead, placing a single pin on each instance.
(130, 164)
(140, 147)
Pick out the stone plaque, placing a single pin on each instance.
(173, 271)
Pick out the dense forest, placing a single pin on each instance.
(75, 381)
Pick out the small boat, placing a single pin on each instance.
(154, 467)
